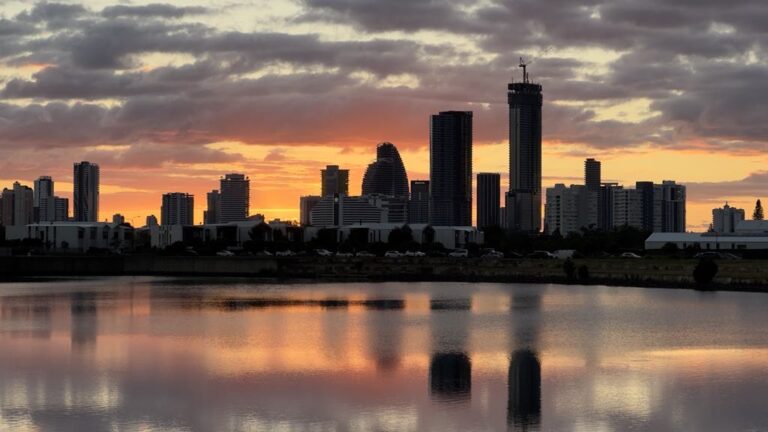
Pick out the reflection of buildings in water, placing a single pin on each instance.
(385, 332)
(524, 388)
(35, 309)
(450, 375)
(84, 324)
(450, 369)
(524, 380)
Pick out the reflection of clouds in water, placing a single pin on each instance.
(524, 363)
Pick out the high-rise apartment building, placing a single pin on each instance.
(724, 220)
(592, 174)
(418, 204)
(488, 200)
(43, 191)
(524, 198)
(663, 206)
(178, 209)
(235, 198)
(569, 209)
(386, 175)
(334, 181)
(213, 212)
(340, 210)
(306, 204)
(6, 207)
(450, 174)
(86, 192)
(626, 207)
(605, 205)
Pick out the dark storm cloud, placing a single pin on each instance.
(409, 15)
(160, 10)
(688, 58)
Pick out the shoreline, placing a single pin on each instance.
(735, 275)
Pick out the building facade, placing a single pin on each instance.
(569, 209)
(334, 181)
(450, 160)
(43, 191)
(212, 214)
(627, 208)
(306, 204)
(525, 102)
(488, 200)
(592, 175)
(177, 209)
(235, 198)
(418, 204)
(340, 210)
(725, 220)
(86, 192)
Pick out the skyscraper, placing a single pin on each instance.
(334, 180)
(488, 199)
(450, 173)
(306, 204)
(418, 204)
(213, 212)
(86, 192)
(592, 175)
(7, 207)
(663, 206)
(235, 198)
(178, 209)
(524, 200)
(43, 191)
(386, 175)
(23, 204)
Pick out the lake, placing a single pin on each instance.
(171, 354)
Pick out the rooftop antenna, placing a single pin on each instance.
(525, 72)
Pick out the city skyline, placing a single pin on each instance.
(617, 92)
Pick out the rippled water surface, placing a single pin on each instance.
(153, 354)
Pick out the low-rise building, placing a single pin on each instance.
(449, 237)
(75, 236)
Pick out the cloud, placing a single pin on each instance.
(755, 185)
(153, 10)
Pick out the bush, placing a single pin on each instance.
(569, 268)
(583, 273)
(705, 271)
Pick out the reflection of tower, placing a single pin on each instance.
(385, 327)
(450, 375)
(450, 370)
(83, 314)
(524, 381)
(524, 403)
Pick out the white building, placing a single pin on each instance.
(707, 241)
(724, 220)
(449, 237)
(340, 210)
(77, 236)
(232, 233)
(568, 209)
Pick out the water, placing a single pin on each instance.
(154, 354)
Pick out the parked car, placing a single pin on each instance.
(415, 254)
(323, 252)
(630, 255)
(393, 254)
(710, 255)
(225, 253)
(365, 254)
(459, 253)
(541, 255)
(344, 254)
(493, 254)
(285, 253)
(264, 253)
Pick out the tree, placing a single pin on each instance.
(583, 273)
(705, 271)
(569, 268)
(758, 214)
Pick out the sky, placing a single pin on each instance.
(168, 97)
